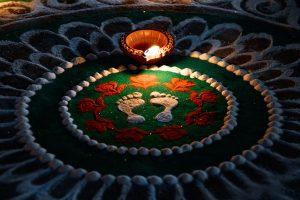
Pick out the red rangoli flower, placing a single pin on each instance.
(100, 125)
(131, 135)
(86, 105)
(208, 96)
(180, 85)
(174, 132)
(200, 118)
(205, 96)
(194, 97)
(100, 102)
(143, 81)
(110, 88)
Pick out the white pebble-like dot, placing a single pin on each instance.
(92, 142)
(71, 93)
(155, 152)
(238, 159)
(122, 150)
(133, 151)
(195, 75)
(113, 70)
(185, 178)
(206, 141)
(92, 79)
(257, 148)
(195, 54)
(204, 56)
(122, 68)
(93, 176)
(84, 84)
(97, 76)
(222, 63)
(186, 148)
(68, 65)
(177, 150)
(66, 98)
(123, 179)
(186, 72)
(155, 180)
(50, 75)
(170, 179)
(249, 155)
(197, 144)
(215, 137)
(77, 173)
(65, 168)
(42, 81)
(167, 151)
(143, 151)
(200, 175)
(139, 180)
(214, 59)
(101, 146)
(108, 178)
(227, 166)
(266, 142)
(59, 70)
(248, 77)
(231, 68)
(213, 171)
(112, 148)
(54, 164)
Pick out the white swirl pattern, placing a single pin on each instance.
(283, 12)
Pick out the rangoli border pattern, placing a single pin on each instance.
(283, 13)
(229, 119)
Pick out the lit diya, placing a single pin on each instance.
(147, 46)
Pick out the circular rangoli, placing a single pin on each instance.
(217, 119)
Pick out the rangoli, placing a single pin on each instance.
(217, 119)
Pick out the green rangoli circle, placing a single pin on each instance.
(252, 123)
(199, 111)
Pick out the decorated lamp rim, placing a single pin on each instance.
(130, 50)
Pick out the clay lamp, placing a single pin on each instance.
(147, 46)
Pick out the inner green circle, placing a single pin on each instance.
(149, 111)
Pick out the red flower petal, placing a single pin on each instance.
(100, 125)
(95, 126)
(121, 88)
(174, 132)
(200, 118)
(143, 81)
(131, 135)
(100, 102)
(208, 96)
(110, 88)
(180, 85)
(85, 105)
(194, 97)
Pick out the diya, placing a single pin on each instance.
(147, 46)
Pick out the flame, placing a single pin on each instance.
(153, 52)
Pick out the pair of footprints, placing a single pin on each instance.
(131, 101)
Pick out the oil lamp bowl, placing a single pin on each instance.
(147, 46)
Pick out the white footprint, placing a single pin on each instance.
(128, 103)
(166, 100)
